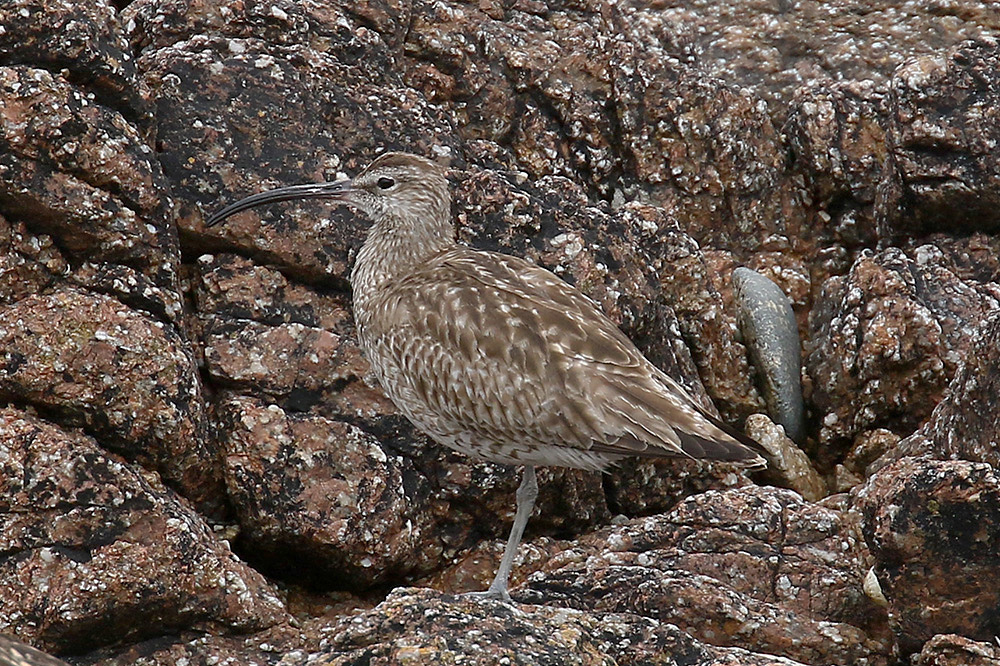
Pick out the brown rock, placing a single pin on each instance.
(707, 154)
(966, 424)
(130, 381)
(945, 126)
(238, 115)
(85, 40)
(775, 48)
(868, 447)
(267, 335)
(934, 529)
(83, 174)
(100, 554)
(787, 465)
(324, 494)
(975, 257)
(360, 34)
(837, 135)
(29, 263)
(750, 566)
(696, 285)
(538, 84)
(886, 340)
(422, 626)
(952, 650)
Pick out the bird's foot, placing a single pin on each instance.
(490, 594)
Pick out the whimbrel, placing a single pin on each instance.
(494, 356)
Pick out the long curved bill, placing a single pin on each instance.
(335, 190)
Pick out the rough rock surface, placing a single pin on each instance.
(296, 479)
(944, 131)
(952, 650)
(759, 568)
(787, 465)
(96, 553)
(775, 48)
(966, 424)
(886, 340)
(640, 150)
(127, 379)
(933, 527)
(444, 629)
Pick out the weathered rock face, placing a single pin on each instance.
(440, 629)
(886, 340)
(966, 424)
(755, 567)
(640, 150)
(934, 529)
(952, 650)
(127, 379)
(96, 554)
(944, 131)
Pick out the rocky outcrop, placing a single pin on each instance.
(887, 338)
(97, 554)
(198, 467)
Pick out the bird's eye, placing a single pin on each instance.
(385, 183)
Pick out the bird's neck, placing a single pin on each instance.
(394, 248)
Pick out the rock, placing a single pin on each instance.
(356, 513)
(639, 149)
(966, 424)
(128, 380)
(749, 566)
(776, 49)
(672, 121)
(74, 518)
(240, 115)
(265, 334)
(85, 40)
(868, 447)
(836, 132)
(952, 650)
(886, 340)
(975, 257)
(771, 335)
(787, 465)
(933, 527)
(442, 629)
(360, 34)
(83, 174)
(29, 263)
(945, 126)
(324, 494)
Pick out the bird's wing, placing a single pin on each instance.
(506, 347)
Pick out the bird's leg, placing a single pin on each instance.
(526, 494)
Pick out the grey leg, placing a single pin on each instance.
(526, 494)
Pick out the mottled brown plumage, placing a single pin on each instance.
(494, 356)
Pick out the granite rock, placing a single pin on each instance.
(933, 527)
(756, 567)
(886, 340)
(88, 360)
(99, 553)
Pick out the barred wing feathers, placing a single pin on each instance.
(491, 347)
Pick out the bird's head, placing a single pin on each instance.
(395, 187)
